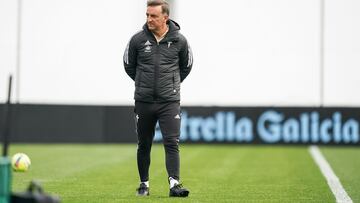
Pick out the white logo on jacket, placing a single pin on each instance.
(148, 46)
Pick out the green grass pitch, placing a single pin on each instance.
(213, 173)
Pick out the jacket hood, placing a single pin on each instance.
(173, 26)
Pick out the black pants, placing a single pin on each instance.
(146, 116)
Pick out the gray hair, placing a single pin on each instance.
(164, 5)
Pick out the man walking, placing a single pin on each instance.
(158, 59)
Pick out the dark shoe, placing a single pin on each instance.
(143, 190)
(178, 191)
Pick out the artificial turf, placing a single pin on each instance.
(213, 173)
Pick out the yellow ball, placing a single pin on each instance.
(20, 162)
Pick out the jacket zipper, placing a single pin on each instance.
(174, 88)
(156, 76)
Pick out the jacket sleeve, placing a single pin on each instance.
(130, 56)
(185, 60)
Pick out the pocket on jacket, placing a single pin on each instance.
(138, 79)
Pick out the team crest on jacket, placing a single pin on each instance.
(148, 46)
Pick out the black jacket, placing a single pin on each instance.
(158, 68)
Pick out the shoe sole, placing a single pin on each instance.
(182, 194)
(139, 195)
(143, 195)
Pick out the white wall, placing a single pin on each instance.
(8, 27)
(253, 52)
(246, 52)
(72, 50)
(342, 52)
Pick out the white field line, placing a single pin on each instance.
(333, 181)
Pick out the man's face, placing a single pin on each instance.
(155, 18)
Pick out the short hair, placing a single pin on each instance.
(164, 5)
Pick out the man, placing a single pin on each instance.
(158, 59)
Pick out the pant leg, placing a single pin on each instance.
(169, 121)
(145, 127)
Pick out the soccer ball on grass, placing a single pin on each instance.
(20, 162)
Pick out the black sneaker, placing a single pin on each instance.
(143, 190)
(178, 191)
